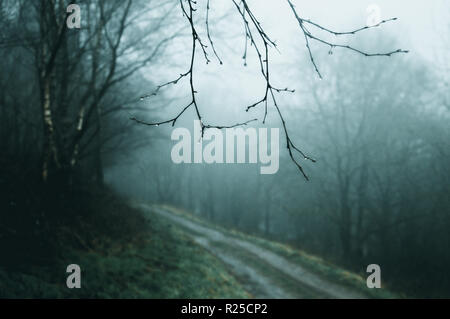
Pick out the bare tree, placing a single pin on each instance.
(78, 70)
(358, 132)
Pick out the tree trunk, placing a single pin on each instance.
(98, 152)
(50, 154)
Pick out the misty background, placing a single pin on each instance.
(377, 126)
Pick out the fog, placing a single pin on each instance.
(377, 127)
(372, 132)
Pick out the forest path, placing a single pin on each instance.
(262, 272)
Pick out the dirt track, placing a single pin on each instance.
(263, 273)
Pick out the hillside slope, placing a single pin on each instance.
(159, 261)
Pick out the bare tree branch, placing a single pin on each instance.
(256, 37)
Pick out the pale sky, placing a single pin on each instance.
(224, 90)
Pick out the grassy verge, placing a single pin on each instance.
(158, 261)
(314, 263)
